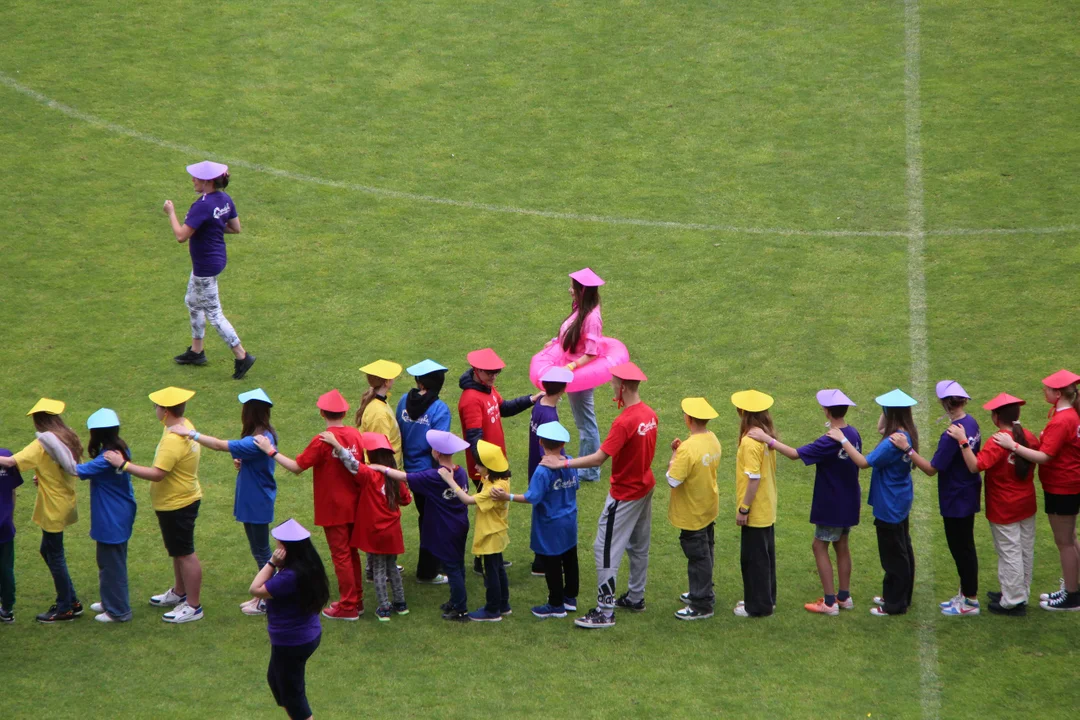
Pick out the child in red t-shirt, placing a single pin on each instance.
(336, 496)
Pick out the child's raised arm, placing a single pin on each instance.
(267, 447)
(448, 478)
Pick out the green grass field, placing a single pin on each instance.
(816, 162)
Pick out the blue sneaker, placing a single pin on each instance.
(951, 601)
(549, 611)
(965, 606)
(482, 615)
(570, 604)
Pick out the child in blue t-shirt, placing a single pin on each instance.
(553, 495)
(9, 480)
(546, 410)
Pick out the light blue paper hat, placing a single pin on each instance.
(256, 394)
(553, 431)
(103, 418)
(896, 398)
(424, 367)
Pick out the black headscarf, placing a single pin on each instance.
(415, 403)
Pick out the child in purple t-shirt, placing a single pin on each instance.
(837, 498)
(545, 410)
(210, 218)
(9, 480)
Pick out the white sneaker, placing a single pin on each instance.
(104, 617)
(97, 607)
(183, 613)
(169, 598)
(954, 600)
(437, 580)
(255, 607)
(740, 610)
(879, 601)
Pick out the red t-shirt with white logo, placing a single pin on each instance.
(631, 443)
(1060, 439)
(481, 410)
(1008, 500)
(378, 528)
(335, 490)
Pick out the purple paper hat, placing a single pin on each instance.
(290, 531)
(950, 388)
(558, 375)
(833, 398)
(444, 442)
(587, 277)
(207, 170)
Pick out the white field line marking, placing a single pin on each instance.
(929, 688)
(95, 121)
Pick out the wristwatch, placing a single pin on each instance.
(965, 444)
(744, 509)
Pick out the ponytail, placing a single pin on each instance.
(1011, 414)
(1070, 393)
(373, 384)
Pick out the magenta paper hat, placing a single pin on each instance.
(557, 375)
(207, 170)
(444, 442)
(290, 531)
(950, 388)
(833, 398)
(587, 277)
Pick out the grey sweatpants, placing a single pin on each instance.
(204, 304)
(624, 526)
(384, 568)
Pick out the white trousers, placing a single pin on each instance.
(1015, 545)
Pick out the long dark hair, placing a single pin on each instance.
(312, 585)
(107, 438)
(586, 299)
(392, 488)
(899, 418)
(255, 417)
(1011, 414)
(44, 422)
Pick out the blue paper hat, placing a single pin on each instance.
(256, 394)
(553, 431)
(103, 418)
(424, 367)
(896, 398)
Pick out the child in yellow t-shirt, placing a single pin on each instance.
(755, 496)
(695, 503)
(490, 533)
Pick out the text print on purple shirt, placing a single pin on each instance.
(208, 216)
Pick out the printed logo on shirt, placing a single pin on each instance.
(843, 453)
(422, 421)
(709, 459)
(448, 494)
(565, 483)
(221, 211)
(493, 412)
(646, 427)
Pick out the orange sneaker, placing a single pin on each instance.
(821, 607)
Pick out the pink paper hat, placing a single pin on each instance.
(207, 170)
(587, 277)
(374, 441)
(950, 388)
(833, 398)
(290, 531)
(558, 375)
(444, 442)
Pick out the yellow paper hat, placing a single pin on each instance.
(698, 408)
(171, 396)
(45, 405)
(382, 369)
(491, 455)
(751, 401)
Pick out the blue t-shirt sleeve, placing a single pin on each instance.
(246, 449)
(946, 450)
(822, 448)
(93, 467)
(884, 454)
(199, 212)
(441, 418)
(282, 585)
(538, 485)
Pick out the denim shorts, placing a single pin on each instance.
(828, 533)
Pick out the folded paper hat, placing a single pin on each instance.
(256, 394)
(491, 455)
(171, 396)
(444, 442)
(587, 277)
(557, 375)
(375, 441)
(628, 371)
(751, 401)
(103, 418)
(382, 369)
(332, 402)
(553, 431)
(698, 408)
(896, 398)
(485, 359)
(1061, 379)
(1002, 400)
(950, 388)
(424, 367)
(45, 405)
(290, 531)
(833, 398)
(207, 170)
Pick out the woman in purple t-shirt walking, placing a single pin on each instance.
(210, 218)
(295, 588)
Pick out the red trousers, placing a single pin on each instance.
(350, 574)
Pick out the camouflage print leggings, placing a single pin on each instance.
(203, 304)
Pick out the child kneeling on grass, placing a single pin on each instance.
(553, 495)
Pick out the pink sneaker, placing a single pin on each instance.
(821, 607)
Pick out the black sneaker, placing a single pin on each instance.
(52, 616)
(624, 602)
(76, 608)
(596, 619)
(1016, 610)
(240, 367)
(7, 616)
(456, 616)
(478, 566)
(446, 607)
(1069, 602)
(189, 357)
(993, 596)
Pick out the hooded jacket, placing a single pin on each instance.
(481, 410)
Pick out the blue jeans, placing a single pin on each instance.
(52, 550)
(455, 574)
(113, 580)
(497, 584)
(581, 405)
(258, 535)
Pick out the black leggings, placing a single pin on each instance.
(960, 535)
(561, 572)
(285, 675)
(898, 562)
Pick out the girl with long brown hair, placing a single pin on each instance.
(374, 414)
(579, 337)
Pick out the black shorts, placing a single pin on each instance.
(178, 529)
(1055, 504)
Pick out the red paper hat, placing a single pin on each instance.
(374, 441)
(1061, 379)
(485, 359)
(1002, 400)
(332, 402)
(628, 371)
